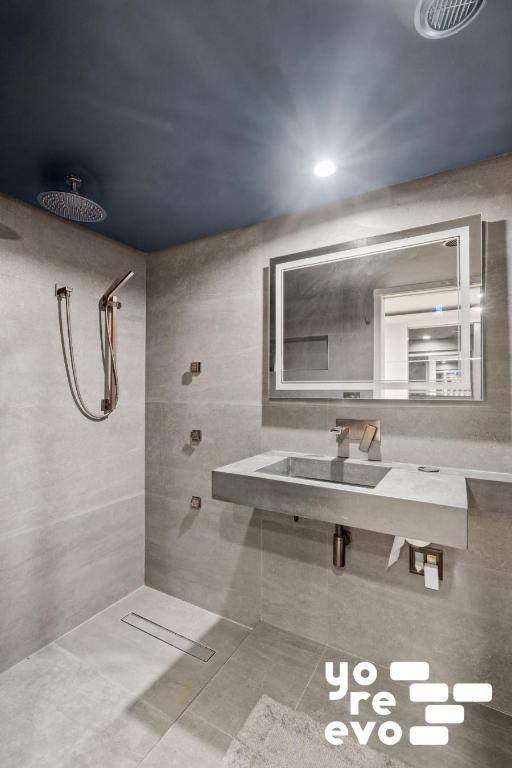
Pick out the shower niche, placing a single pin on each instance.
(397, 317)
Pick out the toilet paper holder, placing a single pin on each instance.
(430, 555)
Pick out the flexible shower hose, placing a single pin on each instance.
(90, 414)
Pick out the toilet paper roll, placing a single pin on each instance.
(398, 543)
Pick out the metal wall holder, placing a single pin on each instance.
(430, 554)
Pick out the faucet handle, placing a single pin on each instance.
(366, 431)
(369, 433)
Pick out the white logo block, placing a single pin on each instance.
(444, 713)
(409, 670)
(472, 692)
(425, 692)
(428, 735)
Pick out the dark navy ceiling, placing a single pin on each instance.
(189, 117)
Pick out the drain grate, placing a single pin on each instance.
(185, 644)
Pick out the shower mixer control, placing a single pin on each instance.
(195, 436)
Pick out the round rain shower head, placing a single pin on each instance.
(441, 18)
(71, 205)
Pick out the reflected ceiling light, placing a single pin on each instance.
(324, 168)
(426, 338)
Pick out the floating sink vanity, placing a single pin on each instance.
(385, 497)
(392, 318)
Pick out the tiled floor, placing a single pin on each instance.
(109, 696)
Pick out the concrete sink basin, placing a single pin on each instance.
(328, 470)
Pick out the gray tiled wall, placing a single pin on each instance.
(206, 302)
(71, 491)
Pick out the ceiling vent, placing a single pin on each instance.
(441, 18)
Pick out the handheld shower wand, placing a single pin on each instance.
(110, 305)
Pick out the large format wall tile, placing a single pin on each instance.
(294, 575)
(55, 577)
(59, 469)
(228, 431)
(204, 304)
(210, 557)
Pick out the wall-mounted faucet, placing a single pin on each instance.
(342, 441)
(366, 433)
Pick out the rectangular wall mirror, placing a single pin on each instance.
(397, 317)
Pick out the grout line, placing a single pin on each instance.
(195, 605)
(320, 657)
(55, 641)
(62, 520)
(207, 722)
(207, 682)
(194, 403)
(113, 683)
(94, 616)
(193, 714)
(260, 612)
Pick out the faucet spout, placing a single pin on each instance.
(342, 441)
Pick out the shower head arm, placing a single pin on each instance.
(115, 287)
(75, 182)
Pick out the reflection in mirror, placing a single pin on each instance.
(395, 319)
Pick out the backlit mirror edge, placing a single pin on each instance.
(477, 244)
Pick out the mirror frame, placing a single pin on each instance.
(468, 230)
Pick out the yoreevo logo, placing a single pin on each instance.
(442, 706)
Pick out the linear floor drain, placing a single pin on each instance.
(201, 652)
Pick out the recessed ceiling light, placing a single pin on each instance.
(324, 168)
